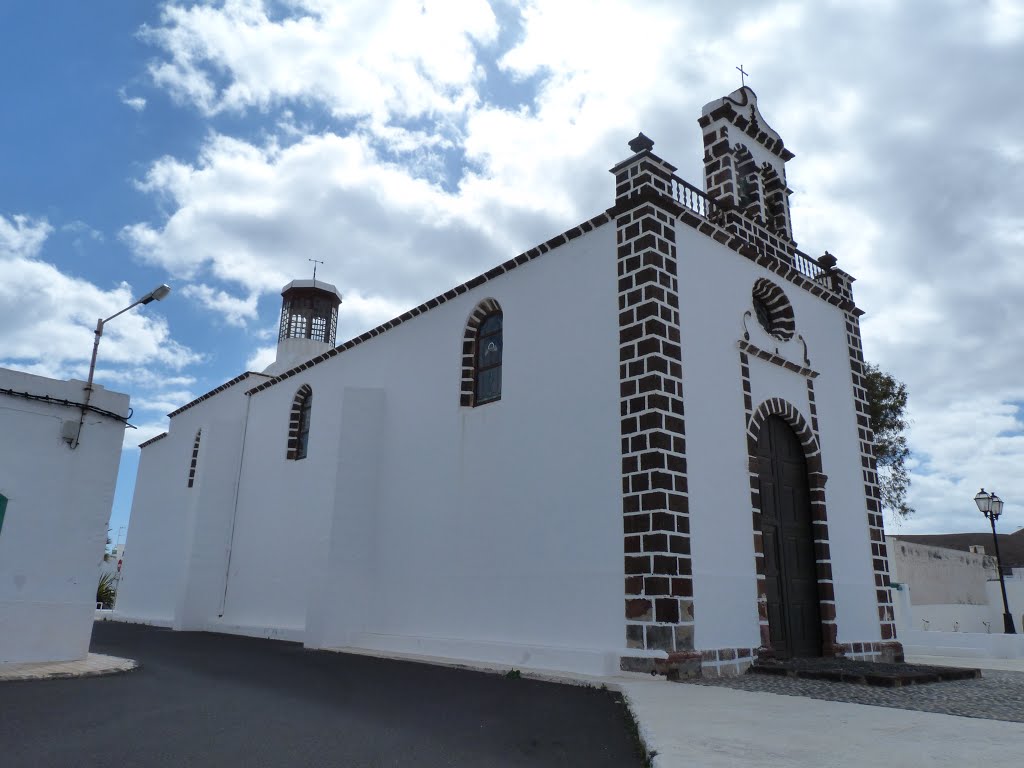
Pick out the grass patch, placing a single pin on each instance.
(646, 758)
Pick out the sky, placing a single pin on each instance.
(412, 144)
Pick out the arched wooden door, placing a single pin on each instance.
(791, 582)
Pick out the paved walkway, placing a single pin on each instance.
(771, 721)
(92, 665)
(718, 727)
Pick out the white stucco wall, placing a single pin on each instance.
(493, 532)
(54, 530)
(149, 581)
(715, 287)
(179, 534)
(937, 575)
(1014, 598)
(948, 590)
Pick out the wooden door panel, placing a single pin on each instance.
(791, 586)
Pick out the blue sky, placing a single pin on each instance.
(411, 144)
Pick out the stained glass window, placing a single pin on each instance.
(488, 359)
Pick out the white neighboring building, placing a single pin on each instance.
(54, 506)
(642, 444)
(950, 590)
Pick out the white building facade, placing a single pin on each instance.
(949, 602)
(642, 445)
(58, 468)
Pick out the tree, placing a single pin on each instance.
(887, 405)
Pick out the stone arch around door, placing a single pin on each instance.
(776, 640)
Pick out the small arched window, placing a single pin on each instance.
(195, 459)
(482, 351)
(488, 360)
(298, 425)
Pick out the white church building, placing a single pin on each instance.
(640, 445)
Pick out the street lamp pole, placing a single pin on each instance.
(157, 294)
(992, 507)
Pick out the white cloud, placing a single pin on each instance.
(262, 358)
(163, 402)
(48, 319)
(142, 432)
(1003, 21)
(251, 216)
(236, 311)
(384, 60)
(81, 229)
(133, 102)
(21, 237)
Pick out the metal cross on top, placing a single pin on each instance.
(315, 262)
(743, 75)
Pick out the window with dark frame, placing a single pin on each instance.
(487, 372)
(305, 411)
(195, 459)
(764, 315)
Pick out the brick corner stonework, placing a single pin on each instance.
(655, 496)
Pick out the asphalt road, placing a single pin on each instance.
(215, 700)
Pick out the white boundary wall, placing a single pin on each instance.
(949, 602)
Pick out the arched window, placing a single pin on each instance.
(195, 459)
(298, 425)
(482, 348)
(488, 360)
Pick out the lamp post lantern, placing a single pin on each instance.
(157, 294)
(991, 506)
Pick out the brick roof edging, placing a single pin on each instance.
(683, 214)
(152, 440)
(213, 392)
(507, 266)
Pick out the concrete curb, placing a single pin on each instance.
(93, 665)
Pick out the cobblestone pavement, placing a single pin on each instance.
(994, 696)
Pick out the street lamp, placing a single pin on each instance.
(992, 507)
(157, 294)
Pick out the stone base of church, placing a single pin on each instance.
(677, 665)
(890, 651)
(726, 662)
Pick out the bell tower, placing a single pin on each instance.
(309, 323)
(745, 162)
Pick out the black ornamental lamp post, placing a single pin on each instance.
(992, 507)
